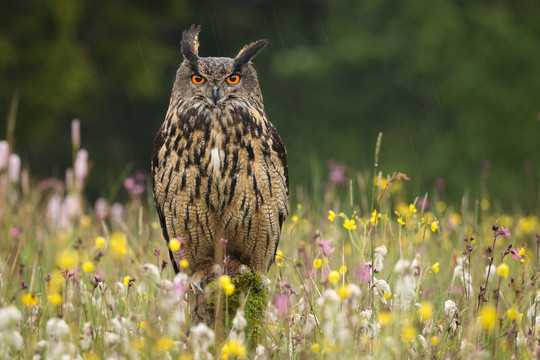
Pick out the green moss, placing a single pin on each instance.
(248, 285)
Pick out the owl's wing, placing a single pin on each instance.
(281, 152)
(158, 144)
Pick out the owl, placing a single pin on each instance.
(219, 167)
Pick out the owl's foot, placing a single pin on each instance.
(265, 281)
(201, 277)
(235, 267)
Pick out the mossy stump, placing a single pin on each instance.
(247, 296)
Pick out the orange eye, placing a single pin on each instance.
(197, 79)
(233, 79)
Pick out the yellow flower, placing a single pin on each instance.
(425, 311)
(400, 221)
(55, 283)
(484, 204)
(233, 348)
(434, 226)
(521, 251)
(163, 344)
(317, 263)
(138, 344)
(126, 280)
(226, 284)
(143, 325)
(345, 292)
(66, 259)
(29, 299)
(87, 266)
(385, 318)
(185, 356)
(331, 215)
(343, 270)
(384, 181)
(118, 244)
(100, 242)
(502, 270)
(387, 295)
(333, 277)
(434, 340)
(412, 210)
(435, 267)
(86, 221)
(155, 225)
(488, 317)
(174, 245)
(408, 333)
(55, 299)
(279, 255)
(294, 218)
(349, 224)
(375, 217)
(184, 264)
(315, 348)
(440, 206)
(512, 313)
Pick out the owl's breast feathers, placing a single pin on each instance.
(230, 163)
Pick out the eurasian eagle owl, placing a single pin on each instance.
(219, 166)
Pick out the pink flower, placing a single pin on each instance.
(325, 247)
(516, 254)
(505, 232)
(283, 304)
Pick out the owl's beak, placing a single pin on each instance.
(215, 94)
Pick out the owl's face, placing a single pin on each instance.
(215, 82)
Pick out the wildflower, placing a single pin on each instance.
(385, 318)
(408, 333)
(118, 242)
(343, 270)
(412, 210)
(9, 315)
(76, 133)
(375, 217)
(29, 299)
(345, 292)
(382, 290)
(324, 246)
(333, 277)
(86, 221)
(4, 154)
(174, 245)
(331, 215)
(55, 299)
(283, 304)
(378, 257)
(315, 348)
(518, 253)
(488, 317)
(505, 232)
(425, 311)
(484, 204)
(100, 242)
(239, 321)
(440, 206)
(163, 344)
(349, 224)
(294, 218)
(127, 279)
(435, 267)
(512, 313)
(81, 167)
(279, 255)
(184, 264)
(87, 266)
(66, 259)
(434, 340)
(14, 168)
(226, 284)
(317, 263)
(233, 348)
(450, 308)
(502, 270)
(434, 226)
(57, 328)
(400, 221)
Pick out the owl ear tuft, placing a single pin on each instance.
(248, 52)
(190, 45)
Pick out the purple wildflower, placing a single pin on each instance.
(325, 247)
(283, 304)
(504, 231)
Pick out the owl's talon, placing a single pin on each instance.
(243, 269)
(265, 281)
(196, 285)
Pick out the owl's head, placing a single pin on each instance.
(216, 81)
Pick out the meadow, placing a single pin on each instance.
(364, 269)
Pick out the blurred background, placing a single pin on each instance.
(454, 86)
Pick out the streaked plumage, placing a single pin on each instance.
(219, 166)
